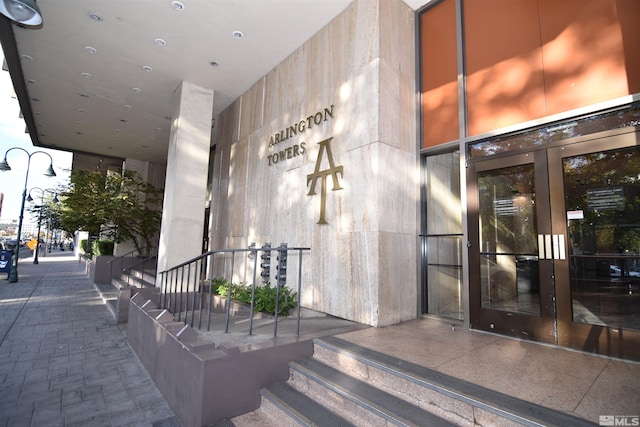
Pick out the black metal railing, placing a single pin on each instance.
(186, 289)
(119, 261)
(142, 265)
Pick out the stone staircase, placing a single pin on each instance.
(116, 295)
(344, 384)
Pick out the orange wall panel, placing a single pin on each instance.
(628, 15)
(505, 82)
(439, 75)
(582, 50)
(526, 59)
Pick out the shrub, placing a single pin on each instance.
(103, 247)
(265, 296)
(84, 246)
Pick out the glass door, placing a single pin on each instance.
(554, 244)
(511, 261)
(598, 200)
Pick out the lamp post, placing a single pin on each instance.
(30, 199)
(4, 166)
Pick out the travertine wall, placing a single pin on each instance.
(363, 261)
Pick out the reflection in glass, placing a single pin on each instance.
(602, 197)
(557, 132)
(508, 240)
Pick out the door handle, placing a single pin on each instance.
(551, 246)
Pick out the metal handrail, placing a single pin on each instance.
(142, 262)
(185, 288)
(121, 259)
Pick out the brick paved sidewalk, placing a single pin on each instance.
(63, 359)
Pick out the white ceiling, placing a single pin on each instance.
(87, 86)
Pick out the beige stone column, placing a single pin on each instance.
(186, 177)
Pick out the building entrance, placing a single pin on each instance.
(555, 243)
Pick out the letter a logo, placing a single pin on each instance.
(323, 174)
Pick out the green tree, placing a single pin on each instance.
(120, 206)
(49, 214)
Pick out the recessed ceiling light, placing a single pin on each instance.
(86, 75)
(158, 129)
(123, 120)
(27, 57)
(84, 95)
(137, 90)
(32, 82)
(35, 99)
(214, 64)
(95, 16)
(147, 68)
(116, 130)
(177, 5)
(80, 122)
(128, 107)
(90, 49)
(160, 42)
(238, 34)
(82, 110)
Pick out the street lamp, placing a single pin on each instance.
(4, 166)
(30, 199)
(25, 12)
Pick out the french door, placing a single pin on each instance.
(554, 244)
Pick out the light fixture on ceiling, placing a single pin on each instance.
(25, 12)
(179, 6)
(238, 34)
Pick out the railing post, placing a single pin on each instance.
(210, 284)
(299, 292)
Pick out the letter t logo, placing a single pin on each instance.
(323, 174)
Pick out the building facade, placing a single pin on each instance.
(474, 160)
(471, 159)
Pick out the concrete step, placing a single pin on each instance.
(458, 401)
(136, 278)
(363, 387)
(357, 400)
(299, 407)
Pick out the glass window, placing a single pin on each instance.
(442, 240)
